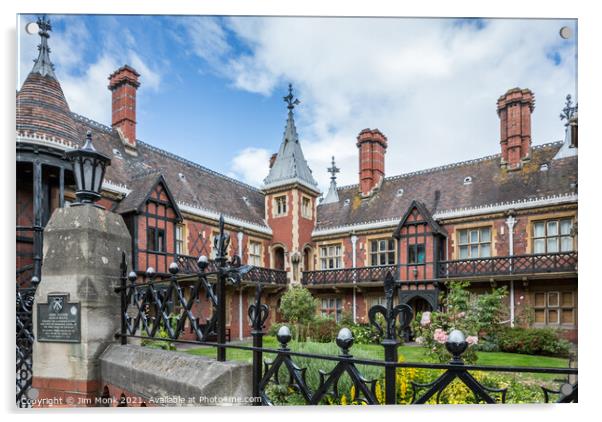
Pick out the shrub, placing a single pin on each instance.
(532, 341)
(323, 329)
(298, 306)
(364, 334)
(473, 315)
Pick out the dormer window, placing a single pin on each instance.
(399, 192)
(544, 167)
(347, 202)
(467, 180)
(117, 153)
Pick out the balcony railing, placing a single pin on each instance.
(188, 265)
(509, 265)
(348, 275)
(493, 266)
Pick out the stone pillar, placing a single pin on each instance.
(83, 246)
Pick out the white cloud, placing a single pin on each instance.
(206, 36)
(430, 85)
(83, 66)
(249, 164)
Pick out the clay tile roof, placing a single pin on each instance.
(140, 187)
(43, 110)
(41, 105)
(490, 184)
(189, 183)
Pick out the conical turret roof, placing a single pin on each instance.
(41, 105)
(290, 165)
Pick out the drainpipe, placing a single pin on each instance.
(510, 222)
(239, 235)
(353, 263)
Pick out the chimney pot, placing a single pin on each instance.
(514, 109)
(123, 84)
(372, 145)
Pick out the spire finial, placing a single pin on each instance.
(333, 170)
(290, 100)
(43, 65)
(569, 110)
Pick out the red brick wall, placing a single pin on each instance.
(123, 84)
(372, 146)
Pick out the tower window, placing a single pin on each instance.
(280, 205)
(306, 207)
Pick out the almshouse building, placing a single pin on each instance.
(509, 219)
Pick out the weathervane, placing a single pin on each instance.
(333, 170)
(569, 110)
(290, 99)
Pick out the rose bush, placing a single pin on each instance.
(474, 315)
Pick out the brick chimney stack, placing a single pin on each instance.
(514, 109)
(372, 146)
(123, 83)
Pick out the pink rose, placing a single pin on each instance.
(426, 319)
(472, 340)
(440, 336)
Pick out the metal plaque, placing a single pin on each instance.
(58, 320)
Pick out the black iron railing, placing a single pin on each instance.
(349, 275)
(189, 265)
(509, 265)
(144, 315)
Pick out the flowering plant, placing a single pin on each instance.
(473, 315)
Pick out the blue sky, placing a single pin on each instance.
(212, 87)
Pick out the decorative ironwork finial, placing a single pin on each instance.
(43, 65)
(569, 110)
(390, 313)
(333, 170)
(290, 100)
(44, 26)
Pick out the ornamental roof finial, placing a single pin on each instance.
(333, 170)
(332, 195)
(569, 110)
(290, 99)
(43, 65)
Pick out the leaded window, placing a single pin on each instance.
(382, 252)
(255, 253)
(552, 236)
(416, 253)
(554, 308)
(155, 239)
(474, 243)
(306, 207)
(330, 257)
(280, 205)
(332, 307)
(180, 239)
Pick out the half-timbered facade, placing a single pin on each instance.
(509, 219)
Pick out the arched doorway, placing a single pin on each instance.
(419, 305)
(278, 257)
(307, 259)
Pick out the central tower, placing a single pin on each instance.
(290, 202)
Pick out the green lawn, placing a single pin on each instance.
(410, 354)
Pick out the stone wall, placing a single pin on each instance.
(157, 377)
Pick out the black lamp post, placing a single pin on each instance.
(89, 168)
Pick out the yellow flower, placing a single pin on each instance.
(343, 400)
(379, 394)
